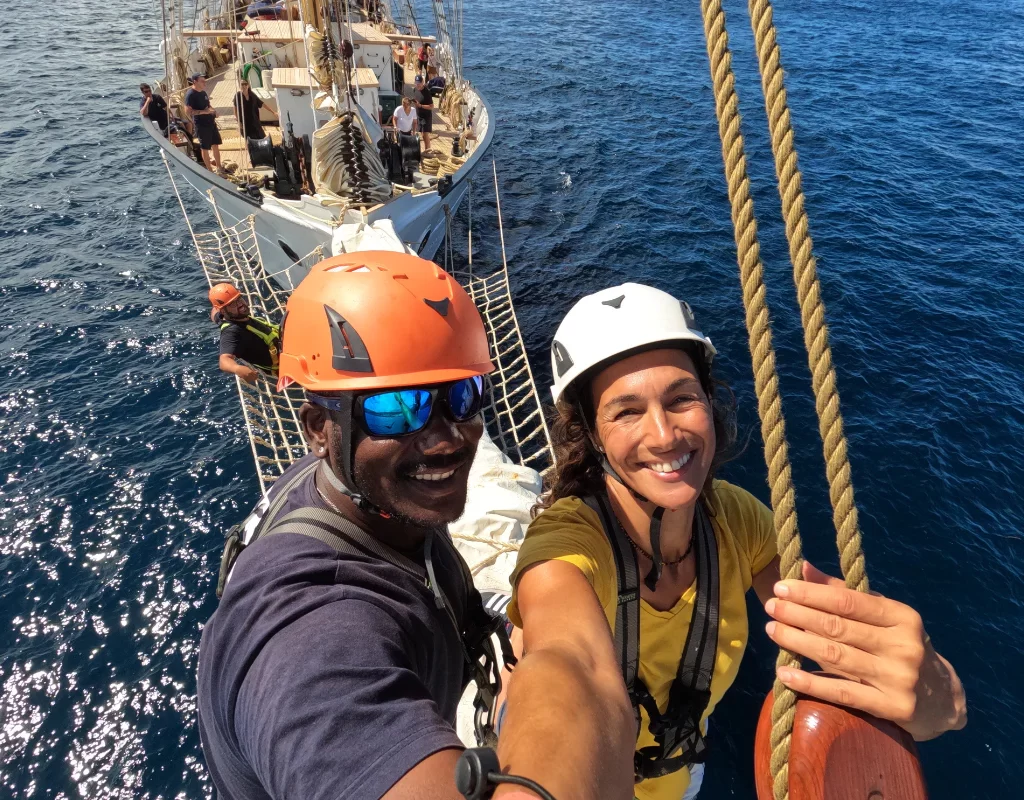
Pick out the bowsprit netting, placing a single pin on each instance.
(512, 412)
(271, 417)
(515, 419)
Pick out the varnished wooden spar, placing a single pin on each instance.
(840, 754)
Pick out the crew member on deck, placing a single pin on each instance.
(424, 110)
(204, 119)
(422, 58)
(245, 342)
(404, 118)
(435, 82)
(247, 112)
(153, 107)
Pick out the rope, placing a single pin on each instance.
(812, 309)
(766, 381)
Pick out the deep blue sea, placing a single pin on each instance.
(122, 453)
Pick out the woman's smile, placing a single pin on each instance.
(670, 467)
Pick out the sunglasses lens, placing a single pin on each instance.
(396, 413)
(464, 397)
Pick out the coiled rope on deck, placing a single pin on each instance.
(812, 314)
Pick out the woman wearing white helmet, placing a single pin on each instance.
(637, 565)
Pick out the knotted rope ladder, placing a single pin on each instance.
(812, 317)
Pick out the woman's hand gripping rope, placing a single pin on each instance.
(878, 648)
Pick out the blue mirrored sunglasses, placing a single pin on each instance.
(400, 412)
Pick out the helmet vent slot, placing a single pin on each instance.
(350, 354)
(440, 306)
(563, 363)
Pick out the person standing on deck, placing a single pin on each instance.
(405, 118)
(334, 664)
(435, 82)
(424, 110)
(153, 107)
(423, 57)
(247, 112)
(204, 120)
(247, 343)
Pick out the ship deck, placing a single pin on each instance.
(222, 84)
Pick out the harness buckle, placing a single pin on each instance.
(233, 548)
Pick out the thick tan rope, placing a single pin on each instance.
(766, 381)
(812, 310)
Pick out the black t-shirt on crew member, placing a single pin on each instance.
(157, 111)
(326, 676)
(199, 101)
(423, 96)
(236, 340)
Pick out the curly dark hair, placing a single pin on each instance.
(578, 473)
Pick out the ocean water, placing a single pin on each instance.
(122, 451)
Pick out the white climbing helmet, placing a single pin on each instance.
(615, 321)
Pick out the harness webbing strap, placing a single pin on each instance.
(677, 730)
(701, 646)
(339, 533)
(235, 543)
(266, 332)
(627, 612)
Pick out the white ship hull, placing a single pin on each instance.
(289, 230)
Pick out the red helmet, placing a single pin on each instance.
(223, 294)
(377, 320)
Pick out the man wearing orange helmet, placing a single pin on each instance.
(244, 340)
(350, 626)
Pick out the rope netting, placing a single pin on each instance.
(515, 419)
(232, 255)
(513, 413)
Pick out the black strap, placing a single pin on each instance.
(677, 732)
(235, 543)
(627, 610)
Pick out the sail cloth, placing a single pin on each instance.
(321, 50)
(346, 163)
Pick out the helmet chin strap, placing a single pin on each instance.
(346, 483)
(654, 575)
(357, 499)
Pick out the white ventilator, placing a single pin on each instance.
(615, 321)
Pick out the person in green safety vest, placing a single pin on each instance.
(248, 345)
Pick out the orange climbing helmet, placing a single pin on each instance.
(380, 320)
(223, 294)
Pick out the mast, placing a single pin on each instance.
(166, 46)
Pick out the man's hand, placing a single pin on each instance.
(247, 374)
(878, 647)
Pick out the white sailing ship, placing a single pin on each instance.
(329, 74)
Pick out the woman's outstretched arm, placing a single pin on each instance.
(568, 722)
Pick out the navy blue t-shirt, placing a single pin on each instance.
(199, 101)
(324, 675)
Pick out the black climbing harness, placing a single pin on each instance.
(677, 732)
(344, 536)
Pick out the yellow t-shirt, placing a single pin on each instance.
(571, 531)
